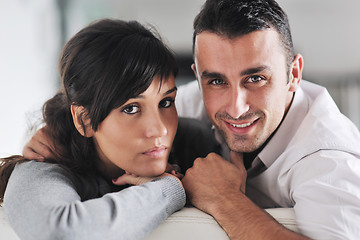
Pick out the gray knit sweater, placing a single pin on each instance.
(45, 201)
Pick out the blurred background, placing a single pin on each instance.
(325, 32)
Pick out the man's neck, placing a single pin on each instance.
(250, 156)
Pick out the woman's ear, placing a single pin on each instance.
(296, 72)
(81, 121)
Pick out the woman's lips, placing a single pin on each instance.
(156, 152)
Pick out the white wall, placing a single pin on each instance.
(28, 46)
(172, 18)
(327, 33)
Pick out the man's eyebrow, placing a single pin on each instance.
(254, 70)
(206, 74)
(249, 71)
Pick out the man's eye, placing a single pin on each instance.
(255, 79)
(166, 103)
(132, 109)
(216, 82)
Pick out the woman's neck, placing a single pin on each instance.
(109, 170)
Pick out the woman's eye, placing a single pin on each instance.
(166, 103)
(132, 109)
(216, 82)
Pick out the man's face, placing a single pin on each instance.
(245, 85)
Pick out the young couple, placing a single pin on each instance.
(103, 170)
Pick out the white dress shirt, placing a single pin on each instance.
(312, 163)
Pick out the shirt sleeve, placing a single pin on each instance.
(41, 202)
(327, 195)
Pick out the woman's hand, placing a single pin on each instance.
(174, 170)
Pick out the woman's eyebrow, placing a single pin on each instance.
(164, 94)
(170, 91)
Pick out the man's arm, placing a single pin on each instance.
(217, 187)
(39, 146)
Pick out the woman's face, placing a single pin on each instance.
(137, 136)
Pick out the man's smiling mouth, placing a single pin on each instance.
(244, 125)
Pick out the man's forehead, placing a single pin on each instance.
(257, 41)
(207, 36)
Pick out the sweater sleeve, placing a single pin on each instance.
(41, 202)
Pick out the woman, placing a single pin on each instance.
(114, 117)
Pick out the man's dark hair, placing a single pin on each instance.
(234, 18)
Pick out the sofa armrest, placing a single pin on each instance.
(5, 229)
(186, 224)
(191, 223)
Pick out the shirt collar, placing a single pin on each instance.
(283, 135)
(286, 130)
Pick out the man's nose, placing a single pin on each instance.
(237, 103)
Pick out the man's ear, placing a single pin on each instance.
(193, 67)
(296, 72)
(81, 121)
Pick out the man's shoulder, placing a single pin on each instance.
(189, 102)
(313, 123)
(323, 126)
(193, 139)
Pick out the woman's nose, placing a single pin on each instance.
(155, 126)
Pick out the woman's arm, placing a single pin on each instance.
(42, 202)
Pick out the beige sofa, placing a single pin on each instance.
(187, 224)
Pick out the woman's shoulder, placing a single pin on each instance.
(33, 179)
(43, 175)
(39, 173)
(36, 168)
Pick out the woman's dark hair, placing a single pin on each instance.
(234, 18)
(101, 67)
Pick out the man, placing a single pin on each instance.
(288, 143)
